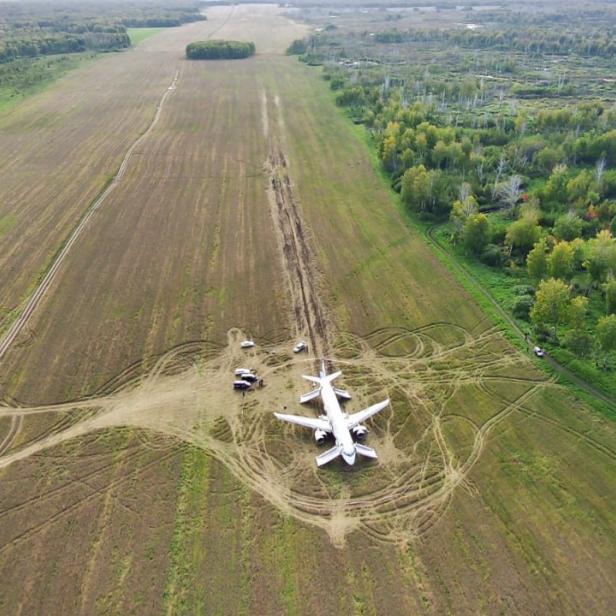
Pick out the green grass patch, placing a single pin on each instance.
(27, 76)
(138, 35)
(186, 550)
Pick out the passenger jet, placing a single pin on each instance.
(335, 421)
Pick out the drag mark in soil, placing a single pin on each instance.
(309, 316)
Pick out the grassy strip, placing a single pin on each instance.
(137, 35)
(28, 76)
(186, 546)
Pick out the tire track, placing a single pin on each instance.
(38, 294)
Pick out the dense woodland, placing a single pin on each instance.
(219, 50)
(505, 139)
(31, 29)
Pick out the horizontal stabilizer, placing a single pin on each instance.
(357, 418)
(342, 393)
(320, 381)
(329, 455)
(368, 452)
(310, 395)
(307, 422)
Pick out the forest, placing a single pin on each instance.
(31, 29)
(219, 50)
(501, 140)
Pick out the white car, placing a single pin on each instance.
(539, 352)
(247, 344)
(300, 346)
(240, 371)
(241, 385)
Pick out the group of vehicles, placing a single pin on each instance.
(245, 379)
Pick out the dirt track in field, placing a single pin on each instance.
(186, 396)
(17, 326)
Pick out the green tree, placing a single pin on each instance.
(560, 261)
(602, 256)
(606, 334)
(568, 227)
(523, 234)
(577, 312)
(609, 289)
(416, 188)
(461, 210)
(537, 261)
(551, 305)
(556, 186)
(476, 233)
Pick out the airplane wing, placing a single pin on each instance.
(329, 455)
(311, 395)
(308, 422)
(356, 418)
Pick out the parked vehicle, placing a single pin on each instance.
(247, 344)
(539, 352)
(300, 346)
(241, 385)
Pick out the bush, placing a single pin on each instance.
(522, 305)
(578, 342)
(491, 255)
(297, 47)
(523, 289)
(219, 50)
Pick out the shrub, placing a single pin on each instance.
(297, 47)
(578, 342)
(523, 289)
(522, 305)
(492, 255)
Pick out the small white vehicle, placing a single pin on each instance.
(538, 351)
(241, 385)
(300, 346)
(250, 377)
(240, 371)
(247, 344)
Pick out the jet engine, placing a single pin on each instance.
(320, 436)
(359, 432)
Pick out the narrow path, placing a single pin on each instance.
(36, 297)
(555, 365)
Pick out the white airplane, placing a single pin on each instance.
(335, 421)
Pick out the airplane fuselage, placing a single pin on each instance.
(336, 418)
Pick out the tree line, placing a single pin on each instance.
(592, 42)
(32, 29)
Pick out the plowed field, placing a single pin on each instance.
(132, 480)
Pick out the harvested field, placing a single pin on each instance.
(134, 482)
